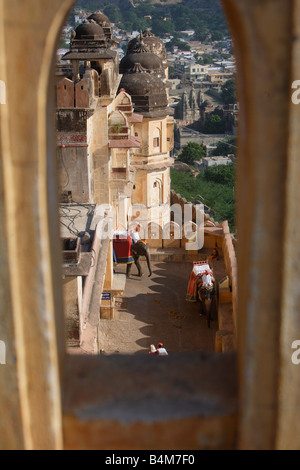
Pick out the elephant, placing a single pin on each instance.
(206, 293)
(138, 249)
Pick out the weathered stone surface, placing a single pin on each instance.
(119, 402)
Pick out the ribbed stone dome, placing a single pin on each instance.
(100, 18)
(141, 54)
(148, 92)
(154, 44)
(89, 30)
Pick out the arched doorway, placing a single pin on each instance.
(268, 304)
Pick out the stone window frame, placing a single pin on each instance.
(261, 411)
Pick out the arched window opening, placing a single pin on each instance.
(156, 140)
(268, 303)
(102, 175)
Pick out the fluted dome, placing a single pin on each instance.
(100, 18)
(89, 30)
(148, 92)
(141, 54)
(154, 44)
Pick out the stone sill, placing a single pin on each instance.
(142, 402)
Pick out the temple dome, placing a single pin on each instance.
(100, 18)
(148, 92)
(89, 30)
(141, 54)
(154, 44)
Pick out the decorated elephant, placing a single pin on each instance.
(206, 292)
(140, 248)
(127, 249)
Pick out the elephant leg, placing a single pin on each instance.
(207, 306)
(140, 249)
(128, 269)
(208, 311)
(202, 303)
(138, 265)
(147, 255)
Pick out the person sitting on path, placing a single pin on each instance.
(161, 350)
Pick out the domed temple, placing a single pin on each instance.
(141, 54)
(244, 394)
(152, 160)
(114, 138)
(154, 44)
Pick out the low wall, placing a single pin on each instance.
(231, 265)
(89, 327)
(219, 235)
(176, 198)
(226, 336)
(72, 304)
(201, 139)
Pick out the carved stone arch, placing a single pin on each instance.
(172, 235)
(156, 193)
(154, 235)
(117, 118)
(123, 99)
(267, 47)
(156, 136)
(34, 308)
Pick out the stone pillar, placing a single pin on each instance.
(267, 47)
(31, 315)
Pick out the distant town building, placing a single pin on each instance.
(208, 162)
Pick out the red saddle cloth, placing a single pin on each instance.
(122, 249)
(191, 295)
(199, 268)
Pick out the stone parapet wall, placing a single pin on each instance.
(231, 266)
(176, 198)
(218, 235)
(89, 324)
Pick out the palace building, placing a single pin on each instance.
(114, 138)
(246, 398)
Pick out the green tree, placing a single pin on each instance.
(217, 35)
(228, 93)
(214, 125)
(219, 197)
(171, 71)
(113, 13)
(224, 148)
(191, 152)
(161, 27)
(221, 174)
(182, 46)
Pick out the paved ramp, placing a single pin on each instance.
(153, 310)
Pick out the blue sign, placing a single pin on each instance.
(106, 296)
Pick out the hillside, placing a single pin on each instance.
(206, 17)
